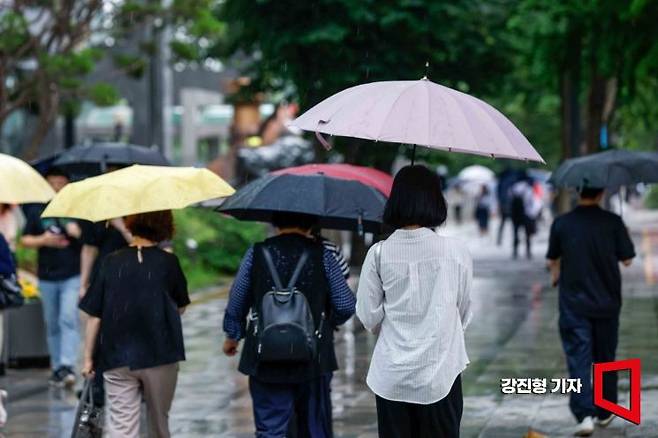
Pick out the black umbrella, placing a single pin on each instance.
(340, 204)
(87, 160)
(610, 169)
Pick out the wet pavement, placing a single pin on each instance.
(513, 335)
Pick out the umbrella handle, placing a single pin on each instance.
(323, 141)
(360, 225)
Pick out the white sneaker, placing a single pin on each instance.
(585, 428)
(605, 422)
(3, 412)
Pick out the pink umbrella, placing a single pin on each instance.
(374, 178)
(418, 113)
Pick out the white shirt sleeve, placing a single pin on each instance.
(370, 294)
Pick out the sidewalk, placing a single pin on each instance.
(513, 335)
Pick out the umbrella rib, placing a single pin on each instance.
(381, 126)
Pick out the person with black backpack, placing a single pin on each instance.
(520, 211)
(294, 294)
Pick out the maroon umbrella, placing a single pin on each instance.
(374, 178)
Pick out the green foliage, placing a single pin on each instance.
(221, 243)
(14, 31)
(324, 46)
(45, 65)
(513, 54)
(26, 258)
(103, 94)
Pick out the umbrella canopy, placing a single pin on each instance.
(374, 178)
(419, 113)
(477, 173)
(20, 183)
(136, 189)
(610, 169)
(93, 159)
(340, 204)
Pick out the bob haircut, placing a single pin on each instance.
(284, 219)
(156, 226)
(416, 199)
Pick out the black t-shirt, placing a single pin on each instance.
(54, 263)
(138, 307)
(103, 236)
(590, 243)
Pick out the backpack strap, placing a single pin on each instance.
(378, 258)
(273, 272)
(298, 269)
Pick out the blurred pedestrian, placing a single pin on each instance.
(457, 200)
(521, 208)
(7, 269)
(58, 244)
(134, 305)
(11, 222)
(584, 252)
(415, 290)
(505, 182)
(483, 210)
(299, 379)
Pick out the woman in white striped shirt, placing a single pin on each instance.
(414, 289)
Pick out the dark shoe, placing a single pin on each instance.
(57, 378)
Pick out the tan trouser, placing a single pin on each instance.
(125, 388)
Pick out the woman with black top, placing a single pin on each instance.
(134, 306)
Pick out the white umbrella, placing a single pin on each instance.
(477, 173)
(419, 113)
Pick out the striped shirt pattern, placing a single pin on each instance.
(342, 263)
(418, 297)
(240, 299)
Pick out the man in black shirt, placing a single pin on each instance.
(99, 240)
(59, 281)
(586, 246)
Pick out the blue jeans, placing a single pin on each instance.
(60, 312)
(274, 403)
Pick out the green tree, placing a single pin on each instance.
(47, 49)
(315, 49)
(592, 54)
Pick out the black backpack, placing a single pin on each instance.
(285, 329)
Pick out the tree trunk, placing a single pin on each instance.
(595, 104)
(569, 96)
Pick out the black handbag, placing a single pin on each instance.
(10, 292)
(88, 417)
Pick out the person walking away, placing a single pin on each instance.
(99, 239)
(585, 248)
(521, 202)
(415, 291)
(58, 244)
(458, 198)
(281, 384)
(506, 180)
(330, 246)
(134, 305)
(7, 270)
(483, 210)
(10, 223)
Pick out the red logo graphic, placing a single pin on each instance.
(633, 366)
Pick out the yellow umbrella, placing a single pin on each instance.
(20, 183)
(136, 189)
